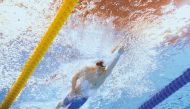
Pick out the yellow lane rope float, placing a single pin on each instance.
(39, 52)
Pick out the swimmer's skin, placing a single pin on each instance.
(89, 74)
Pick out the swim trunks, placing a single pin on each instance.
(74, 102)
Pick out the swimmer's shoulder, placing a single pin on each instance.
(90, 68)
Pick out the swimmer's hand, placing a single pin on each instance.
(119, 49)
(75, 90)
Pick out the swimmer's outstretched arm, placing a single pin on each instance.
(114, 59)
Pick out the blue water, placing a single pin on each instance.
(171, 66)
(144, 69)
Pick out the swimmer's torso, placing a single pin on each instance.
(92, 78)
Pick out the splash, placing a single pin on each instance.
(180, 21)
(138, 26)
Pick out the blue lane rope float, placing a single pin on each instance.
(168, 90)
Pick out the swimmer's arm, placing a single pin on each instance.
(74, 81)
(86, 70)
(114, 59)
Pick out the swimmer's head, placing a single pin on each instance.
(100, 63)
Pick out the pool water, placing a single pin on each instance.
(152, 57)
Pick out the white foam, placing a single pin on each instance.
(92, 40)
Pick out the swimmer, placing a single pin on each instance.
(91, 78)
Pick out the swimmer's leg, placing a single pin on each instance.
(77, 102)
(64, 104)
(72, 102)
(59, 105)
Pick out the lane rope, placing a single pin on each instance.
(63, 13)
(167, 91)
